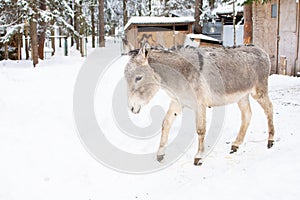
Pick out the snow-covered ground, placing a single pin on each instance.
(41, 156)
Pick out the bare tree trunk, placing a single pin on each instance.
(72, 22)
(125, 17)
(81, 46)
(211, 3)
(42, 31)
(34, 42)
(166, 3)
(19, 39)
(93, 24)
(82, 27)
(53, 38)
(5, 51)
(76, 23)
(19, 43)
(198, 12)
(248, 25)
(234, 21)
(101, 24)
(33, 34)
(150, 7)
(26, 39)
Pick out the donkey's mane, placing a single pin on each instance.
(135, 52)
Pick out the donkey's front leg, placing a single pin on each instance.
(174, 110)
(201, 129)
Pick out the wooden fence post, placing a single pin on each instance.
(283, 65)
(66, 46)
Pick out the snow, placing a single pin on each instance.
(227, 8)
(42, 157)
(202, 37)
(183, 13)
(158, 20)
(10, 31)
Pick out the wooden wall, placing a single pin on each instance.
(167, 38)
(288, 33)
(264, 30)
(287, 24)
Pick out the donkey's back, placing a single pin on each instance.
(227, 74)
(238, 63)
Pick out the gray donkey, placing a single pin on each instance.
(198, 78)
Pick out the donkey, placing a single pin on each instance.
(198, 78)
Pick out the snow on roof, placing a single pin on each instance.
(226, 8)
(183, 13)
(159, 20)
(202, 37)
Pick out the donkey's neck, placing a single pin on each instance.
(173, 66)
(175, 73)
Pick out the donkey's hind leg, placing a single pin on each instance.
(245, 108)
(262, 97)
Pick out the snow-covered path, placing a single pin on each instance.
(41, 156)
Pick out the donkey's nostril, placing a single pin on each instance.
(134, 110)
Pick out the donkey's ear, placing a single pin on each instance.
(144, 51)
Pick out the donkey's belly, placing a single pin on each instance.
(221, 100)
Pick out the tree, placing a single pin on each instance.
(76, 23)
(234, 23)
(150, 7)
(125, 17)
(248, 24)
(198, 12)
(33, 33)
(42, 30)
(26, 27)
(211, 3)
(92, 9)
(101, 23)
(11, 23)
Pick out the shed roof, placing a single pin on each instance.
(202, 37)
(159, 20)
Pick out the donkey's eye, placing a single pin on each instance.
(138, 78)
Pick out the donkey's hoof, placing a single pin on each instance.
(270, 143)
(160, 157)
(233, 149)
(197, 161)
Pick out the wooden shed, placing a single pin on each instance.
(158, 31)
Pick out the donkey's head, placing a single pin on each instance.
(142, 81)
